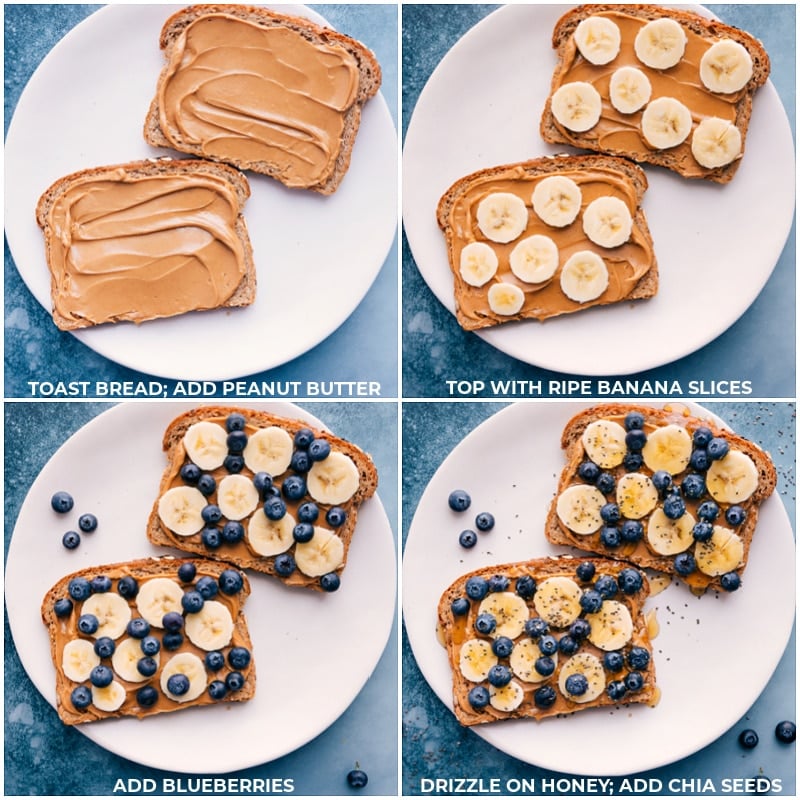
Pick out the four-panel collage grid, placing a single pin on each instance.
(400, 400)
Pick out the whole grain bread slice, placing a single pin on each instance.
(62, 628)
(674, 159)
(369, 72)
(243, 295)
(239, 553)
(637, 553)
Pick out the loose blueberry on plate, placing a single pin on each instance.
(476, 588)
(613, 661)
(606, 483)
(684, 564)
(717, 448)
(544, 697)
(606, 586)
(580, 629)
(235, 422)
(81, 697)
(502, 646)
(498, 583)
(786, 731)
(285, 564)
(616, 690)
(101, 676)
(526, 587)
(71, 540)
(735, 515)
(576, 684)
(215, 660)
(748, 739)
(591, 600)
(536, 627)
(100, 584)
(630, 580)
(150, 645)
(104, 647)
(233, 463)
(632, 530)
(187, 572)
(548, 644)
(634, 682)
(192, 602)
(357, 778)
(303, 438)
(459, 500)
(207, 485)
(237, 441)
(702, 531)
(634, 421)
(610, 536)
(172, 621)
(178, 684)
(319, 450)
(239, 657)
(88, 624)
(233, 531)
(638, 658)
(62, 502)
(128, 587)
(87, 523)
(674, 507)
(588, 471)
(138, 628)
(730, 581)
(234, 681)
(499, 675)
(211, 537)
(662, 480)
(699, 459)
(478, 697)
(460, 606)
(330, 582)
(635, 440)
(63, 607)
(484, 521)
(485, 624)
(308, 512)
(336, 517)
(217, 690)
(172, 640)
(190, 474)
(693, 486)
(468, 538)
(231, 581)
(147, 666)
(544, 666)
(585, 571)
(147, 696)
(567, 645)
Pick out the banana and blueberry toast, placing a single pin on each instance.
(147, 637)
(547, 637)
(262, 492)
(661, 489)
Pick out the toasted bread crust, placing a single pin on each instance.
(554, 133)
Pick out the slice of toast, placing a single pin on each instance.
(618, 129)
(517, 634)
(667, 499)
(106, 623)
(270, 499)
(145, 240)
(631, 268)
(264, 91)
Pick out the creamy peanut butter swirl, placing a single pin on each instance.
(125, 247)
(250, 95)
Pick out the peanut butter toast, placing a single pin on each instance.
(663, 490)
(263, 492)
(656, 85)
(148, 637)
(547, 637)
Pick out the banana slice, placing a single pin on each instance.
(322, 554)
(534, 259)
(716, 142)
(732, 479)
(505, 299)
(723, 552)
(108, 698)
(475, 659)
(502, 217)
(598, 39)
(557, 200)
(333, 480)
(126, 657)
(607, 222)
(211, 627)
(666, 536)
(192, 667)
(510, 611)
(604, 443)
(577, 106)
(180, 510)
(523, 660)
(660, 44)
(156, 597)
(637, 496)
(666, 122)
(269, 450)
(584, 276)
(506, 698)
(558, 601)
(578, 507)
(478, 263)
(629, 90)
(112, 612)
(726, 67)
(270, 537)
(611, 626)
(78, 659)
(206, 444)
(237, 496)
(668, 448)
(591, 668)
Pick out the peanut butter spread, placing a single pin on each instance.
(125, 247)
(250, 95)
(626, 264)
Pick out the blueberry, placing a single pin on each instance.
(239, 657)
(702, 531)
(606, 586)
(88, 624)
(735, 515)
(87, 523)
(233, 531)
(233, 463)
(303, 438)
(502, 646)
(613, 661)
(81, 697)
(172, 621)
(484, 521)
(610, 513)
(585, 571)
(138, 628)
(576, 685)
(460, 606)
(192, 602)
(580, 629)
(147, 666)
(62, 502)
(610, 536)
(468, 538)
(674, 507)
(708, 510)
(548, 644)
(172, 640)
(293, 487)
(476, 588)
(478, 697)
(693, 486)
(234, 681)
(63, 607)
(275, 509)
(150, 645)
(702, 436)
(211, 537)
(632, 530)
(330, 582)
(178, 684)
(786, 731)
(662, 480)
(207, 587)
(336, 517)
(71, 540)
(128, 587)
(319, 450)
(544, 697)
(634, 421)
(101, 676)
(285, 564)
(634, 682)
(635, 440)
(217, 690)
(616, 690)
(190, 474)
(104, 647)
(357, 778)
(638, 658)
(485, 624)
(301, 461)
(748, 738)
(235, 422)
(717, 448)
(567, 645)
(100, 584)
(545, 666)
(308, 512)
(606, 483)
(499, 675)
(498, 583)
(187, 572)
(214, 660)
(236, 441)
(633, 462)
(211, 513)
(525, 587)
(459, 500)
(262, 482)
(591, 600)
(730, 581)
(588, 471)
(630, 580)
(231, 581)
(536, 627)
(147, 696)
(207, 485)
(700, 459)
(684, 564)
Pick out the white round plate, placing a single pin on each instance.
(510, 465)
(481, 108)
(313, 651)
(316, 257)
